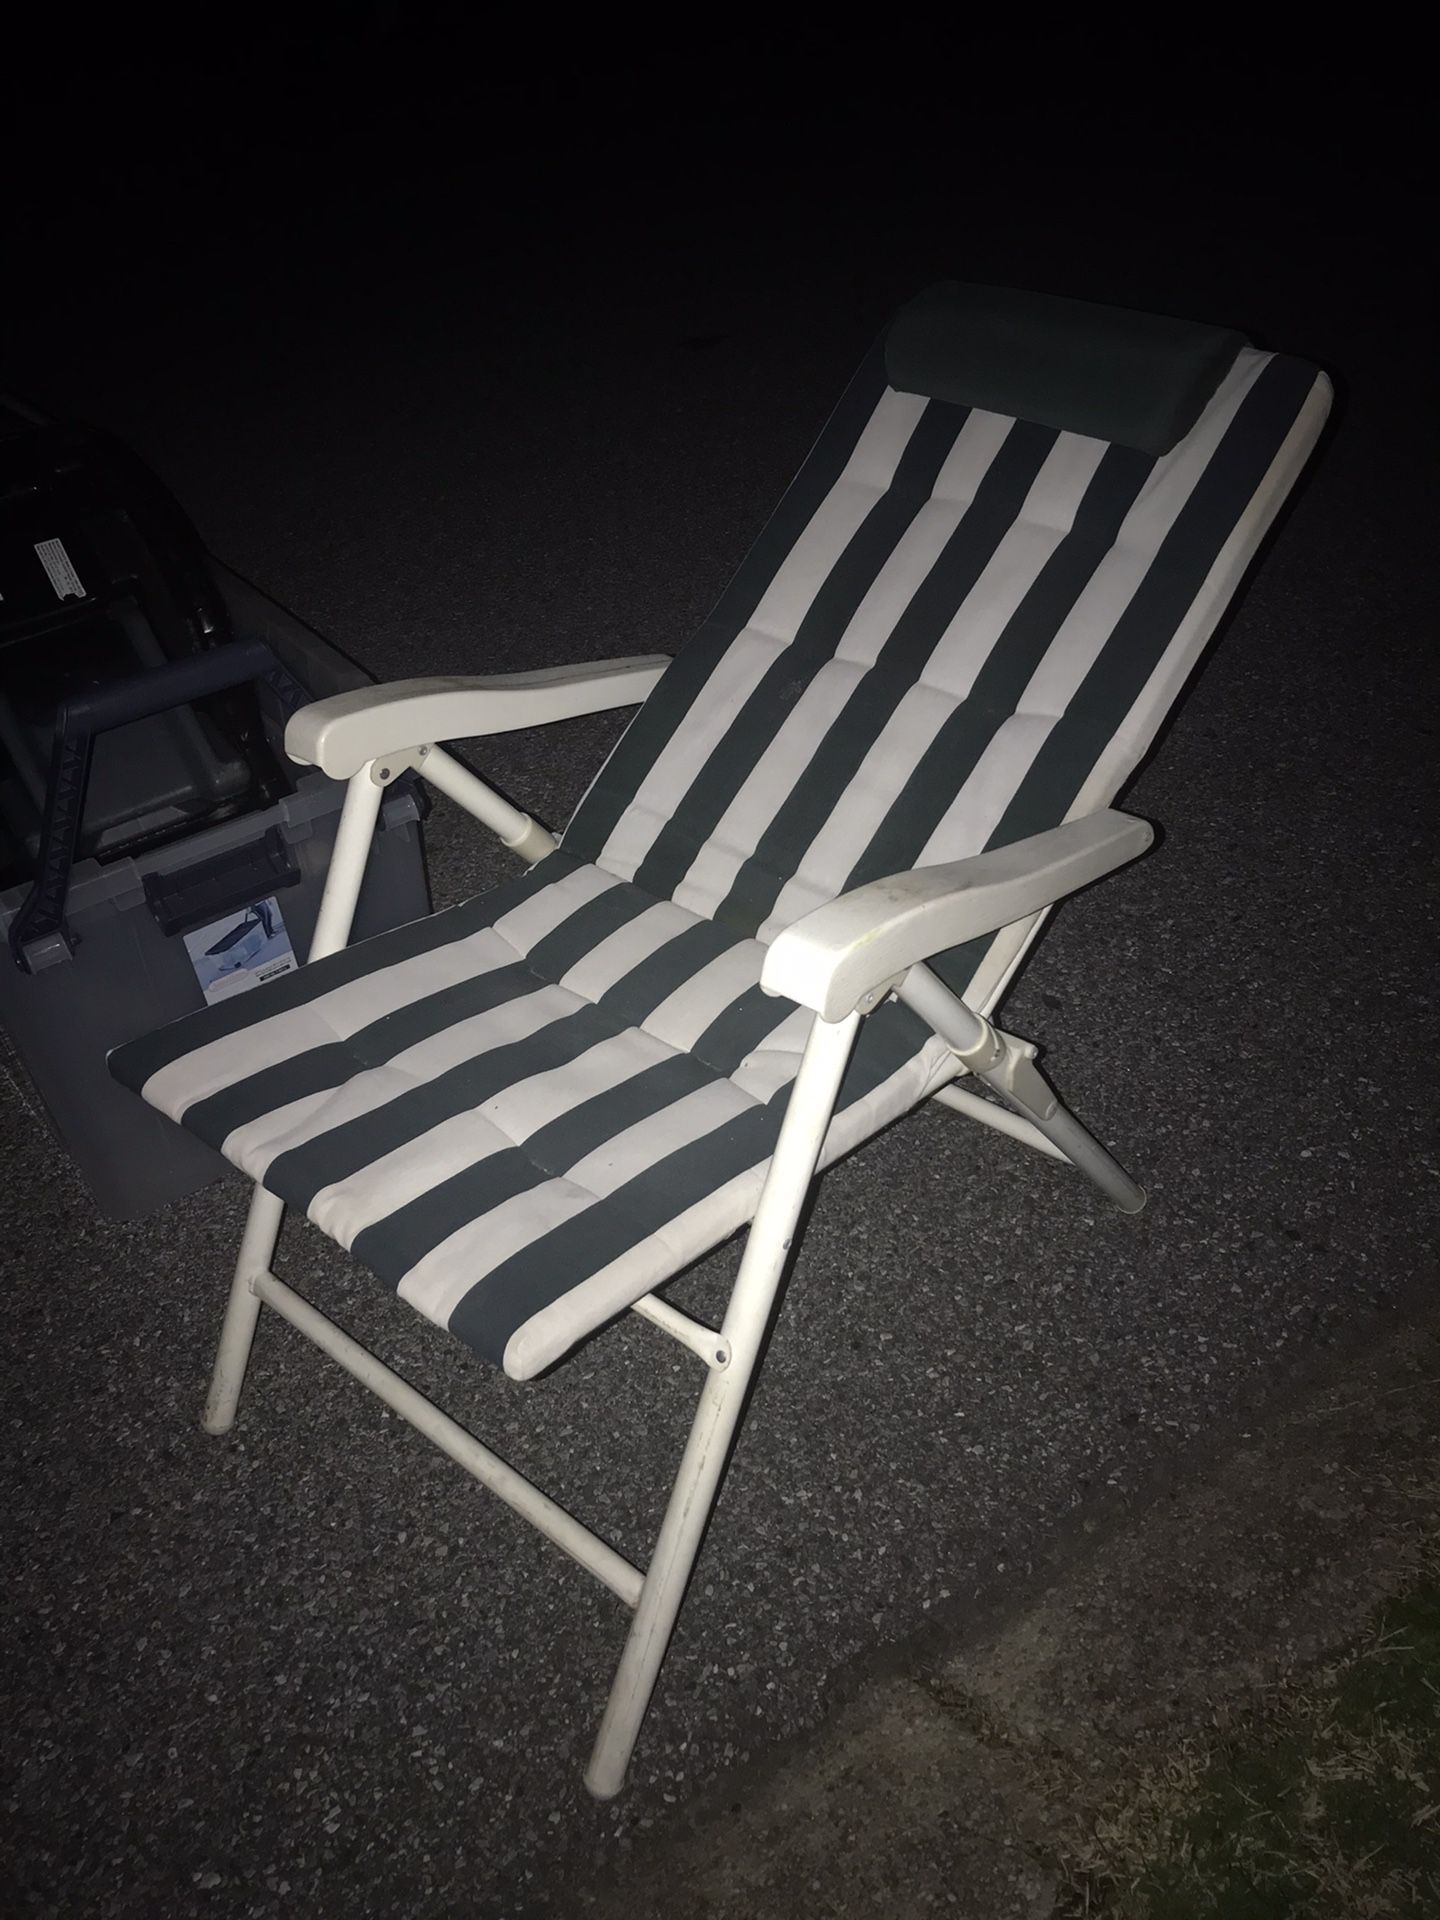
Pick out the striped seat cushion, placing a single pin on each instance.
(526, 1112)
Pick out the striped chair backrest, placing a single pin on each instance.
(958, 629)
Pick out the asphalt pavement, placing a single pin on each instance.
(471, 414)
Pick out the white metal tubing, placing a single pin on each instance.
(347, 864)
(960, 1027)
(262, 1227)
(515, 829)
(257, 1250)
(792, 1167)
(543, 1513)
(962, 1100)
(1085, 1152)
(712, 1347)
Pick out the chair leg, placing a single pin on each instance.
(792, 1167)
(257, 1250)
(332, 930)
(1008, 1066)
(668, 1575)
(1082, 1149)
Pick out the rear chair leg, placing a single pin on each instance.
(1007, 1065)
(1080, 1147)
(257, 1250)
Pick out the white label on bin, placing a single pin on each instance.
(56, 562)
(241, 950)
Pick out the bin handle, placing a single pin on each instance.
(78, 720)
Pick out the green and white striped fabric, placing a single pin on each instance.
(523, 1113)
(958, 629)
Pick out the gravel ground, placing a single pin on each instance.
(458, 425)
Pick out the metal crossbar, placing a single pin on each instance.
(712, 1347)
(572, 1536)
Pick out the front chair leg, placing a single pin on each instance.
(257, 1250)
(792, 1167)
(353, 836)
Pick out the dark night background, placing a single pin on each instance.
(482, 352)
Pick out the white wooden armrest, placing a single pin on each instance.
(341, 734)
(839, 958)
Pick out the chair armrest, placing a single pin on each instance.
(341, 734)
(841, 956)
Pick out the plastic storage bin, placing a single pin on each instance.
(97, 950)
(157, 850)
(131, 970)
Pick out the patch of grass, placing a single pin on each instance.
(1325, 1805)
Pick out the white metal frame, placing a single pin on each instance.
(841, 960)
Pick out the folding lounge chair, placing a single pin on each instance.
(790, 901)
